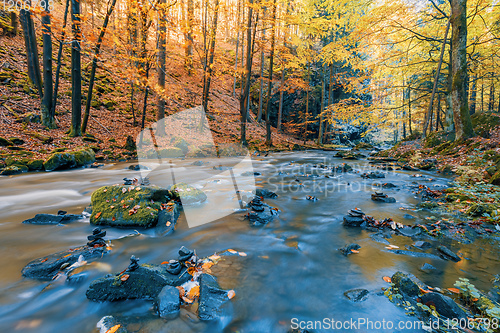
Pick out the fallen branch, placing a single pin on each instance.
(92, 117)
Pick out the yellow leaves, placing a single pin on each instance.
(206, 266)
(194, 292)
(231, 293)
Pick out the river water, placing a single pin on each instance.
(293, 268)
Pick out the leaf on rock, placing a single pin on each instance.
(124, 190)
(231, 294)
(387, 279)
(124, 277)
(242, 254)
(98, 215)
(114, 329)
(232, 251)
(194, 292)
(454, 290)
(181, 291)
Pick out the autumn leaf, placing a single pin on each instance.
(44, 260)
(194, 292)
(231, 294)
(242, 254)
(124, 190)
(387, 279)
(232, 251)
(113, 219)
(181, 291)
(454, 290)
(354, 251)
(124, 277)
(98, 215)
(114, 329)
(187, 300)
(191, 270)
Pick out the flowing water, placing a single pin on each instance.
(293, 268)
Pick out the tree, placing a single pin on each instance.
(207, 77)
(162, 41)
(459, 100)
(76, 71)
(59, 58)
(48, 119)
(270, 84)
(31, 49)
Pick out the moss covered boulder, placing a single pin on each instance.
(5, 142)
(495, 179)
(180, 143)
(172, 152)
(35, 165)
(71, 159)
(188, 194)
(14, 170)
(128, 205)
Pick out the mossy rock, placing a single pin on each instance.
(114, 205)
(16, 141)
(45, 139)
(478, 209)
(95, 103)
(188, 194)
(5, 142)
(13, 161)
(483, 123)
(59, 150)
(67, 160)
(35, 165)
(363, 145)
(428, 205)
(109, 105)
(13, 170)
(30, 117)
(112, 140)
(15, 148)
(495, 179)
(89, 139)
(451, 197)
(181, 144)
(170, 152)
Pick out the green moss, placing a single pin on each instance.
(35, 165)
(478, 209)
(187, 193)
(5, 142)
(84, 156)
(483, 123)
(180, 143)
(170, 152)
(14, 169)
(495, 179)
(111, 205)
(428, 205)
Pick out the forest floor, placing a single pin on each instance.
(111, 118)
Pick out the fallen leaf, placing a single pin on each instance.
(164, 262)
(214, 257)
(242, 254)
(113, 219)
(191, 270)
(124, 277)
(206, 266)
(387, 279)
(105, 190)
(454, 290)
(231, 294)
(424, 291)
(232, 251)
(187, 300)
(114, 329)
(194, 292)
(98, 215)
(111, 207)
(124, 190)
(44, 260)
(181, 291)
(168, 223)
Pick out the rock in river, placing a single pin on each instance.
(407, 284)
(188, 194)
(448, 254)
(168, 302)
(261, 192)
(212, 298)
(444, 305)
(136, 282)
(381, 197)
(350, 249)
(53, 219)
(260, 213)
(354, 218)
(129, 206)
(357, 295)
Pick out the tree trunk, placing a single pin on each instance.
(97, 50)
(211, 51)
(162, 41)
(473, 94)
(448, 119)
(306, 116)
(270, 83)
(76, 71)
(244, 100)
(189, 37)
(237, 49)
(31, 49)
(322, 106)
(59, 57)
(409, 111)
(280, 107)
(262, 59)
(491, 104)
(436, 80)
(48, 119)
(459, 100)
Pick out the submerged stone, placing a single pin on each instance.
(168, 302)
(407, 284)
(448, 254)
(444, 305)
(53, 219)
(261, 192)
(357, 295)
(212, 298)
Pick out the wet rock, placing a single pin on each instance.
(408, 216)
(188, 194)
(378, 237)
(53, 219)
(96, 238)
(408, 167)
(448, 254)
(422, 245)
(427, 267)
(409, 231)
(185, 254)
(344, 167)
(128, 206)
(357, 295)
(14, 170)
(174, 267)
(168, 302)
(348, 249)
(212, 298)
(381, 197)
(127, 181)
(407, 284)
(134, 264)
(372, 175)
(260, 213)
(142, 282)
(167, 219)
(35, 165)
(261, 192)
(311, 198)
(5, 142)
(354, 218)
(46, 268)
(107, 323)
(138, 167)
(385, 185)
(417, 254)
(198, 163)
(444, 305)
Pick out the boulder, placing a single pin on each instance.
(5, 142)
(14, 170)
(53, 219)
(167, 220)
(265, 193)
(46, 268)
(372, 175)
(448, 254)
(407, 284)
(211, 298)
(109, 324)
(381, 197)
(348, 249)
(444, 305)
(67, 160)
(128, 206)
(168, 302)
(35, 165)
(188, 194)
(141, 282)
(357, 295)
(354, 218)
